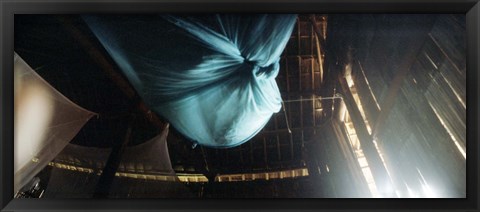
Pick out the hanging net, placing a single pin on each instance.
(212, 77)
(45, 122)
(144, 171)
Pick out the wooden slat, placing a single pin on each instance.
(366, 96)
(377, 168)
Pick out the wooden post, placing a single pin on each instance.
(320, 43)
(106, 179)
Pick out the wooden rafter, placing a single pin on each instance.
(379, 171)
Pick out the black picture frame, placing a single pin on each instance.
(8, 8)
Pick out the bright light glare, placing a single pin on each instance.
(33, 113)
(428, 192)
(386, 189)
(411, 194)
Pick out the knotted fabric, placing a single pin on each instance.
(211, 76)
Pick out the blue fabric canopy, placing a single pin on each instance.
(211, 76)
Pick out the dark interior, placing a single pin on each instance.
(387, 90)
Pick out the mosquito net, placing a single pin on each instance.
(211, 76)
(144, 171)
(45, 122)
(149, 157)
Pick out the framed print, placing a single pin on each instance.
(216, 105)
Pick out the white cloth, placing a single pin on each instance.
(45, 122)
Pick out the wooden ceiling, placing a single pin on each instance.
(274, 148)
(310, 68)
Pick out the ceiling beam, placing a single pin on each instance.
(106, 178)
(365, 94)
(375, 163)
(403, 69)
(110, 70)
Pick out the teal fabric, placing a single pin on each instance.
(211, 76)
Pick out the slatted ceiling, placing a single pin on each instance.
(292, 47)
(273, 148)
(440, 100)
(452, 43)
(272, 154)
(433, 53)
(422, 138)
(454, 81)
(396, 117)
(375, 59)
(420, 79)
(298, 70)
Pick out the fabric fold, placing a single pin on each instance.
(211, 76)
